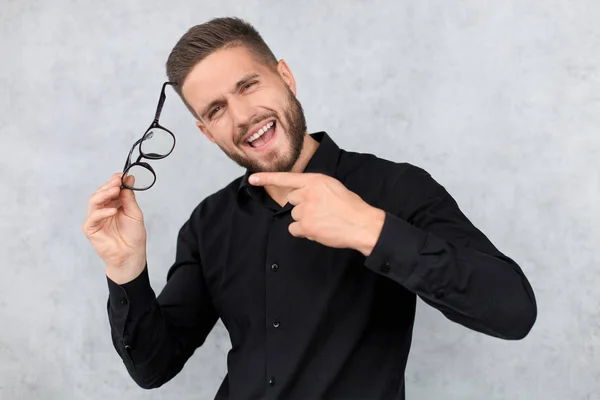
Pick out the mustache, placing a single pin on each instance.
(245, 128)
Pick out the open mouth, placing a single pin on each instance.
(263, 136)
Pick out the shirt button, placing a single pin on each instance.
(276, 324)
(385, 268)
(272, 381)
(274, 267)
(123, 301)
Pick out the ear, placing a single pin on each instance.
(204, 130)
(286, 74)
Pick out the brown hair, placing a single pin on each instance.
(202, 40)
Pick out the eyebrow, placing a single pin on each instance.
(236, 88)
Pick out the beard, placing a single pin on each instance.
(293, 124)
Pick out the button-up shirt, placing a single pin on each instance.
(308, 321)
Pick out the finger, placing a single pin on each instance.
(296, 230)
(116, 178)
(296, 197)
(127, 196)
(129, 180)
(116, 203)
(297, 213)
(96, 219)
(281, 179)
(99, 200)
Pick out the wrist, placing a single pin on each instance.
(126, 273)
(369, 231)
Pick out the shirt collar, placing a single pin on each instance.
(323, 161)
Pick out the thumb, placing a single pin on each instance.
(127, 196)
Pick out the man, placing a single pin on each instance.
(313, 259)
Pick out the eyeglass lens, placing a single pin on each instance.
(144, 178)
(157, 143)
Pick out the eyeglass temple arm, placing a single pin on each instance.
(128, 161)
(161, 101)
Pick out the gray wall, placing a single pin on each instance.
(500, 101)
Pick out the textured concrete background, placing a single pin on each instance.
(500, 101)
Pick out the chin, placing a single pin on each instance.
(278, 164)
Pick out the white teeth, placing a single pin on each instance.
(260, 132)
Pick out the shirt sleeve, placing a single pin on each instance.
(155, 336)
(431, 248)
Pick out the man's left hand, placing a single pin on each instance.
(325, 211)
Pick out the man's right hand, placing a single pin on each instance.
(115, 227)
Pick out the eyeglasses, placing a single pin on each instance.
(158, 142)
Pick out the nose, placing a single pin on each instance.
(241, 112)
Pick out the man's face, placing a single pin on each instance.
(248, 109)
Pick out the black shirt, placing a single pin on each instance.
(307, 321)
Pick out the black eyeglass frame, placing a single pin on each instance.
(149, 156)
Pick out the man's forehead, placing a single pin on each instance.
(218, 73)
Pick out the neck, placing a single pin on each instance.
(308, 150)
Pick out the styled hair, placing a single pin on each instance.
(202, 40)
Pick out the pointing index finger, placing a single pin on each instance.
(281, 179)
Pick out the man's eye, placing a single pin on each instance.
(248, 85)
(213, 112)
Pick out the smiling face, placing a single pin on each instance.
(248, 109)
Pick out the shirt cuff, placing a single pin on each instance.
(397, 250)
(131, 299)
